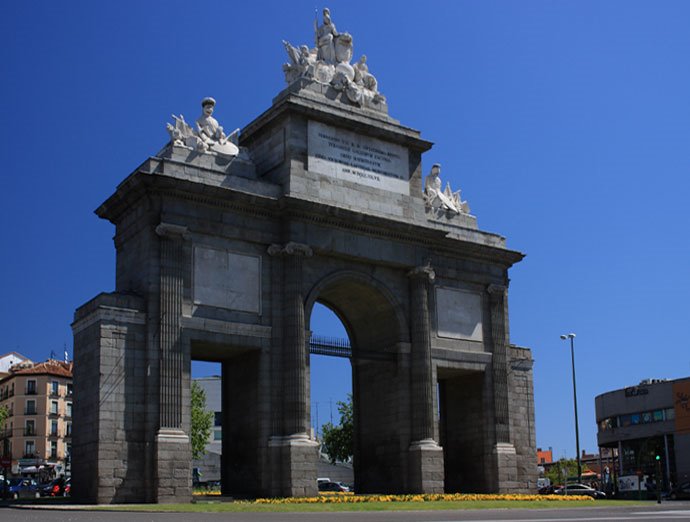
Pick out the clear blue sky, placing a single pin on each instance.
(565, 123)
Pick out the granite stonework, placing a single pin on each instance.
(222, 258)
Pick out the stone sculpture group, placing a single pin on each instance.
(329, 63)
(208, 135)
(443, 200)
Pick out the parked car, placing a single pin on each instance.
(580, 489)
(681, 491)
(23, 488)
(67, 490)
(547, 490)
(333, 486)
(54, 488)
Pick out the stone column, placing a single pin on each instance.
(293, 450)
(425, 456)
(173, 448)
(504, 450)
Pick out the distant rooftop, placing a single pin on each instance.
(49, 367)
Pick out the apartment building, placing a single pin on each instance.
(38, 432)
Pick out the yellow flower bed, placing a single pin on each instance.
(447, 497)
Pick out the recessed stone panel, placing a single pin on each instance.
(227, 280)
(459, 314)
(347, 156)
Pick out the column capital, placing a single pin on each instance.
(170, 231)
(422, 272)
(497, 290)
(290, 249)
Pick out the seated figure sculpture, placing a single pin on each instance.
(208, 136)
(446, 199)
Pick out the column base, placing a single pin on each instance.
(295, 458)
(173, 466)
(506, 468)
(426, 467)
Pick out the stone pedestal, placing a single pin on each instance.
(294, 460)
(173, 466)
(425, 467)
(506, 467)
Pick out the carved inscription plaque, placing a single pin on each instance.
(348, 156)
(227, 280)
(459, 314)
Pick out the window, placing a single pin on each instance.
(30, 428)
(53, 407)
(54, 427)
(29, 448)
(53, 450)
(218, 418)
(68, 429)
(68, 409)
(55, 388)
(31, 387)
(69, 389)
(30, 407)
(217, 434)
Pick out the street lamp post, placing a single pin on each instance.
(571, 336)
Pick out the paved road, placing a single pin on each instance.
(650, 513)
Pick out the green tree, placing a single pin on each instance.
(338, 440)
(202, 421)
(562, 469)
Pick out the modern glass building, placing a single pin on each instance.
(642, 423)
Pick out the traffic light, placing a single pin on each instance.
(658, 457)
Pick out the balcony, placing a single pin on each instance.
(30, 411)
(29, 432)
(53, 456)
(30, 456)
(30, 391)
(6, 433)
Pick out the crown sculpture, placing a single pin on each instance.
(329, 64)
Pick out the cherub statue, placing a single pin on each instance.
(301, 62)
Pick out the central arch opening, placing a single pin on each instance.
(373, 324)
(331, 390)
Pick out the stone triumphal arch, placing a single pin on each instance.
(224, 243)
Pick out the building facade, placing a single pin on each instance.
(642, 423)
(37, 433)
